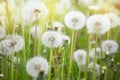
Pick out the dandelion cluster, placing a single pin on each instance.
(59, 39)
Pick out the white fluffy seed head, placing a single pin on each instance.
(51, 39)
(35, 33)
(86, 2)
(98, 24)
(75, 20)
(58, 26)
(110, 46)
(62, 6)
(91, 67)
(4, 47)
(34, 66)
(98, 53)
(66, 39)
(80, 57)
(17, 60)
(114, 19)
(16, 42)
(2, 32)
(31, 8)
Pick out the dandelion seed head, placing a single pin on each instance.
(35, 33)
(86, 2)
(98, 24)
(91, 67)
(98, 53)
(62, 6)
(80, 57)
(66, 39)
(4, 47)
(34, 66)
(58, 26)
(51, 39)
(114, 19)
(110, 46)
(16, 42)
(75, 20)
(32, 8)
(17, 60)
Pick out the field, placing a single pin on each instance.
(59, 39)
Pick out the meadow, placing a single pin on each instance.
(59, 39)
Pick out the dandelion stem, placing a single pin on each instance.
(88, 58)
(12, 65)
(105, 77)
(35, 39)
(108, 35)
(50, 62)
(63, 62)
(70, 65)
(79, 72)
(95, 60)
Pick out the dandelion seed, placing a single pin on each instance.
(113, 18)
(75, 20)
(52, 39)
(110, 46)
(32, 8)
(80, 57)
(98, 52)
(35, 65)
(2, 32)
(98, 24)
(33, 31)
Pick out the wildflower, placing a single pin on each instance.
(5, 48)
(91, 68)
(16, 42)
(75, 20)
(58, 26)
(86, 2)
(51, 39)
(66, 39)
(98, 52)
(110, 46)
(98, 24)
(33, 31)
(16, 60)
(32, 8)
(114, 18)
(62, 6)
(34, 66)
(80, 57)
(2, 32)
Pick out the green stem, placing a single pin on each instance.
(88, 58)
(35, 38)
(95, 59)
(12, 65)
(63, 62)
(70, 64)
(105, 77)
(50, 62)
(79, 72)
